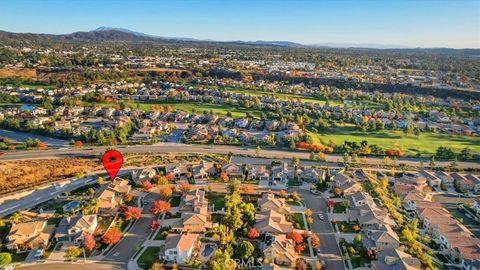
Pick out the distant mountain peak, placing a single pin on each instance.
(107, 28)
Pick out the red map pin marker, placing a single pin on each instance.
(112, 162)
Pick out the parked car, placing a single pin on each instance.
(38, 254)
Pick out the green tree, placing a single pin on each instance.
(221, 260)
(5, 258)
(71, 253)
(244, 250)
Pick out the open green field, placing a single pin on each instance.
(425, 143)
(217, 109)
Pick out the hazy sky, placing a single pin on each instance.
(422, 23)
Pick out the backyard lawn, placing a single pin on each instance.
(148, 257)
(216, 199)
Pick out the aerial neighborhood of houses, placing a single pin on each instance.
(373, 218)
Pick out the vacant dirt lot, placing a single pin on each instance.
(17, 175)
(24, 73)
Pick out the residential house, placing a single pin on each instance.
(179, 248)
(433, 180)
(233, 171)
(395, 259)
(282, 173)
(366, 212)
(29, 235)
(194, 213)
(272, 222)
(202, 172)
(476, 206)
(74, 228)
(475, 180)
(178, 170)
(281, 251)
(380, 237)
(463, 184)
(447, 180)
(346, 184)
(111, 196)
(258, 172)
(141, 175)
(312, 175)
(268, 201)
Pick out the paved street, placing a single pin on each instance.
(126, 248)
(328, 244)
(186, 148)
(42, 195)
(76, 266)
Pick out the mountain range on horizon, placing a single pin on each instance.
(105, 33)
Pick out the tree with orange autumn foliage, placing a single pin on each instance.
(248, 188)
(89, 242)
(252, 234)
(224, 177)
(78, 144)
(170, 177)
(296, 237)
(147, 186)
(41, 145)
(111, 237)
(132, 213)
(184, 187)
(160, 207)
(166, 192)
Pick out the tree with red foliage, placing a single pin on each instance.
(132, 213)
(147, 186)
(299, 248)
(252, 234)
(170, 177)
(224, 177)
(154, 225)
(184, 187)
(111, 237)
(78, 144)
(296, 237)
(160, 207)
(330, 204)
(88, 242)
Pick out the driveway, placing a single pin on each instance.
(330, 252)
(126, 248)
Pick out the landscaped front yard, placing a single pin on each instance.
(148, 257)
(346, 227)
(297, 220)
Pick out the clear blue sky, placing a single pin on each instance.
(426, 23)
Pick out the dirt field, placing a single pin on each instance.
(24, 73)
(16, 175)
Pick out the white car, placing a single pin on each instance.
(320, 216)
